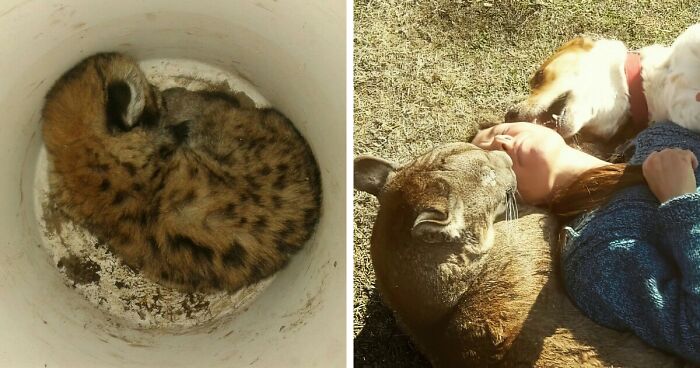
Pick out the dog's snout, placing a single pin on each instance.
(513, 115)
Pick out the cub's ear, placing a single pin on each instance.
(371, 173)
(119, 107)
(127, 90)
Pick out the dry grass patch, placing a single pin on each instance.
(430, 72)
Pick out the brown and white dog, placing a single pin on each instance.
(603, 90)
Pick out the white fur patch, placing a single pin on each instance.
(489, 179)
(683, 80)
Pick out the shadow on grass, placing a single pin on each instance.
(381, 343)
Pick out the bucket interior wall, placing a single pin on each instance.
(293, 53)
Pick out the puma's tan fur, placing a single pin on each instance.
(475, 299)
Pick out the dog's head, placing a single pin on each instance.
(581, 86)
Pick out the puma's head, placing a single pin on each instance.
(450, 195)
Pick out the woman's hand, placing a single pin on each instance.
(670, 173)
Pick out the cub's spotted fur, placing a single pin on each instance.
(190, 188)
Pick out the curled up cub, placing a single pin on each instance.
(188, 187)
(471, 291)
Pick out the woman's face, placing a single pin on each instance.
(534, 150)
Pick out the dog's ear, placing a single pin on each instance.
(590, 36)
(583, 42)
(371, 173)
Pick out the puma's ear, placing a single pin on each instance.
(371, 173)
(431, 224)
(443, 222)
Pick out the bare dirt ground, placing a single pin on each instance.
(430, 72)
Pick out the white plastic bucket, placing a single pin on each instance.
(293, 52)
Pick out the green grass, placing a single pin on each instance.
(430, 72)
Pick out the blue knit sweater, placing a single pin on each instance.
(634, 264)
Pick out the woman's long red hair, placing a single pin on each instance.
(593, 188)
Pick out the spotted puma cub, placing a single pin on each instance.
(188, 187)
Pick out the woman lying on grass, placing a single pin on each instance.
(631, 255)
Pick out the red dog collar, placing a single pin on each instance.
(638, 102)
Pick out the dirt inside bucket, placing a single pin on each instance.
(81, 271)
